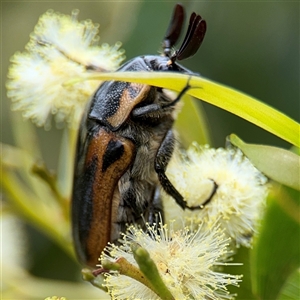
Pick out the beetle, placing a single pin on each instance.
(124, 145)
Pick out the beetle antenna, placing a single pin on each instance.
(174, 29)
(193, 38)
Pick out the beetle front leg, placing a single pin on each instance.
(156, 213)
(162, 159)
(155, 110)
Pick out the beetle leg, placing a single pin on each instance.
(154, 109)
(156, 208)
(150, 110)
(179, 96)
(162, 159)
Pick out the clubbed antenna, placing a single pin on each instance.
(174, 29)
(193, 38)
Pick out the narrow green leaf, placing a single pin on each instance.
(291, 289)
(244, 290)
(20, 162)
(276, 251)
(216, 94)
(192, 124)
(66, 162)
(25, 135)
(278, 164)
(49, 178)
(44, 217)
(26, 139)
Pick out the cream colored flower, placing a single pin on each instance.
(238, 201)
(186, 261)
(60, 48)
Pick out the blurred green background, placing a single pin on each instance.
(249, 45)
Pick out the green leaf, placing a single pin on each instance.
(25, 135)
(20, 162)
(244, 290)
(66, 162)
(278, 164)
(276, 251)
(26, 139)
(216, 94)
(41, 211)
(291, 289)
(191, 123)
(46, 218)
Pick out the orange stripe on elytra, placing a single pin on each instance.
(103, 189)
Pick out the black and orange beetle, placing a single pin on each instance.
(124, 146)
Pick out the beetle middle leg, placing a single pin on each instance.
(162, 159)
(155, 213)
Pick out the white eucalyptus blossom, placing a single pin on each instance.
(186, 260)
(239, 199)
(60, 49)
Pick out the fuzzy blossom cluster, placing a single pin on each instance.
(60, 49)
(240, 194)
(186, 261)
